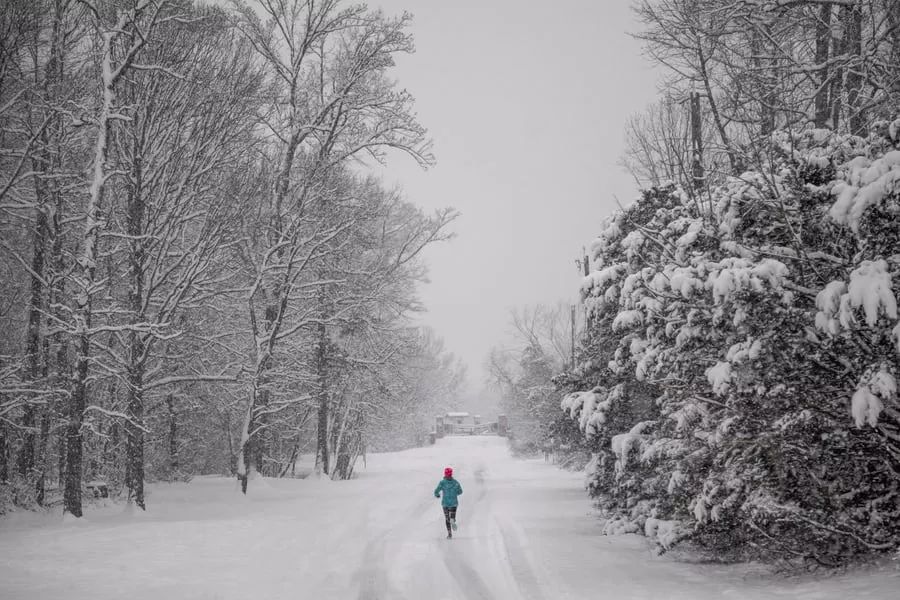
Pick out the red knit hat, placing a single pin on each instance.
(448, 472)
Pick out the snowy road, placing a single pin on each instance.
(526, 532)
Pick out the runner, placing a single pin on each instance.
(451, 490)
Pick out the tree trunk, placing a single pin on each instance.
(134, 434)
(226, 429)
(4, 456)
(893, 17)
(837, 83)
(61, 367)
(42, 164)
(258, 441)
(173, 435)
(35, 449)
(350, 449)
(733, 161)
(25, 463)
(250, 451)
(339, 437)
(697, 172)
(85, 270)
(243, 466)
(853, 46)
(322, 463)
(61, 455)
(823, 53)
(77, 403)
(764, 78)
(42, 458)
(134, 426)
(291, 463)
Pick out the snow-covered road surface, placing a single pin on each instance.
(526, 532)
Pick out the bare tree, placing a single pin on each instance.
(764, 65)
(540, 346)
(658, 145)
(122, 33)
(372, 294)
(192, 120)
(188, 242)
(334, 103)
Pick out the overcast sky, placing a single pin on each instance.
(526, 103)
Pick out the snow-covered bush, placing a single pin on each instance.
(753, 342)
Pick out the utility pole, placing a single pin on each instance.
(586, 268)
(572, 328)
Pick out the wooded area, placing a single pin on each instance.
(200, 271)
(735, 385)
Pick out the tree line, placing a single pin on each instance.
(735, 384)
(200, 271)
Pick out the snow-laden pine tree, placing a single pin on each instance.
(739, 372)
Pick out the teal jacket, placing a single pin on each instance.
(451, 489)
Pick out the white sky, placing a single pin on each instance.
(526, 102)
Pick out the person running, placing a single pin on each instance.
(451, 490)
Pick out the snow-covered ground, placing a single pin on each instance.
(526, 531)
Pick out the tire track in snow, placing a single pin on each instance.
(372, 583)
(508, 546)
(467, 578)
(520, 565)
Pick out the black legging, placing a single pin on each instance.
(449, 513)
